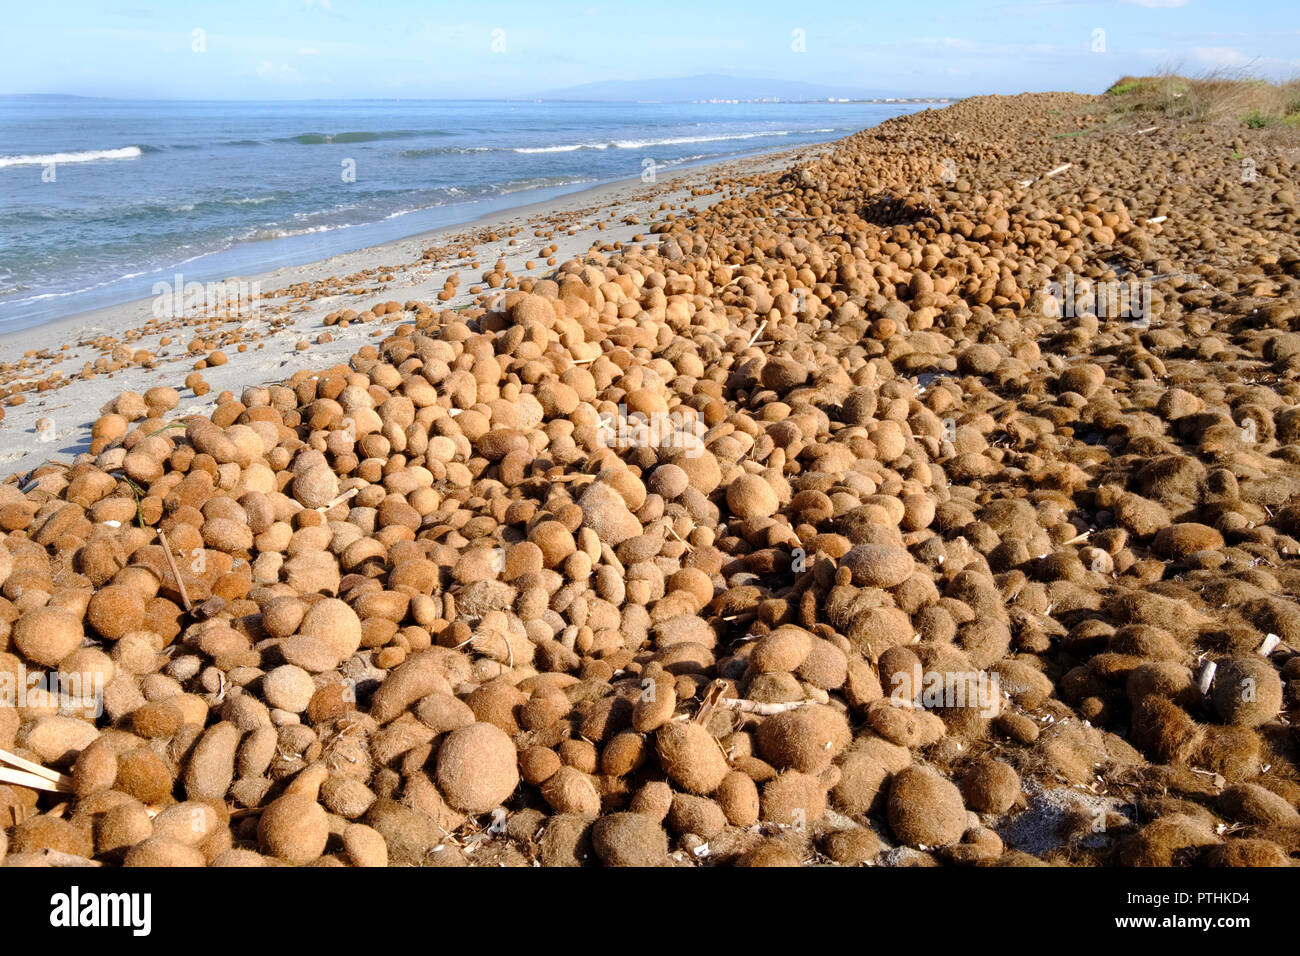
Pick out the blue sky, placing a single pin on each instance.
(294, 49)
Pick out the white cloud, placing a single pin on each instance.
(961, 46)
(269, 70)
(1155, 4)
(1220, 56)
(308, 51)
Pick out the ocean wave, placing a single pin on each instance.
(610, 144)
(359, 136)
(443, 151)
(63, 295)
(666, 141)
(436, 198)
(81, 156)
(539, 182)
(257, 235)
(678, 140)
(558, 149)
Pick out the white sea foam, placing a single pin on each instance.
(84, 156)
(670, 141)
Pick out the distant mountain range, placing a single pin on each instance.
(714, 87)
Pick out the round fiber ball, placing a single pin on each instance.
(924, 809)
(770, 853)
(861, 784)
(365, 846)
(793, 799)
(737, 795)
(878, 565)
(46, 635)
(783, 649)
(477, 767)
(1251, 803)
(990, 786)
(95, 769)
(294, 828)
(569, 790)
(698, 815)
(1247, 691)
(749, 496)
(1180, 540)
(566, 841)
(654, 799)
(1247, 852)
(851, 847)
(115, 611)
(161, 852)
(158, 719)
(691, 756)
(807, 738)
(288, 688)
(51, 833)
(121, 828)
(668, 481)
(336, 624)
(629, 839)
(537, 764)
(142, 774)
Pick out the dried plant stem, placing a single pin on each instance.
(21, 778)
(171, 563)
(350, 493)
(34, 768)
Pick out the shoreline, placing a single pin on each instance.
(462, 215)
(55, 356)
(483, 219)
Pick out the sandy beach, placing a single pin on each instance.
(57, 351)
(971, 539)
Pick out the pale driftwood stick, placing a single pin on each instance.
(673, 532)
(171, 563)
(1206, 678)
(21, 778)
(757, 332)
(1157, 219)
(1047, 175)
(760, 708)
(350, 493)
(24, 764)
(1149, 129)
(1271, 641)
(740, 615)
(712, 699)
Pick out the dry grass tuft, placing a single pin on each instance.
(1219, 97)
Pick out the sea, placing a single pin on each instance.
(101, 198)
